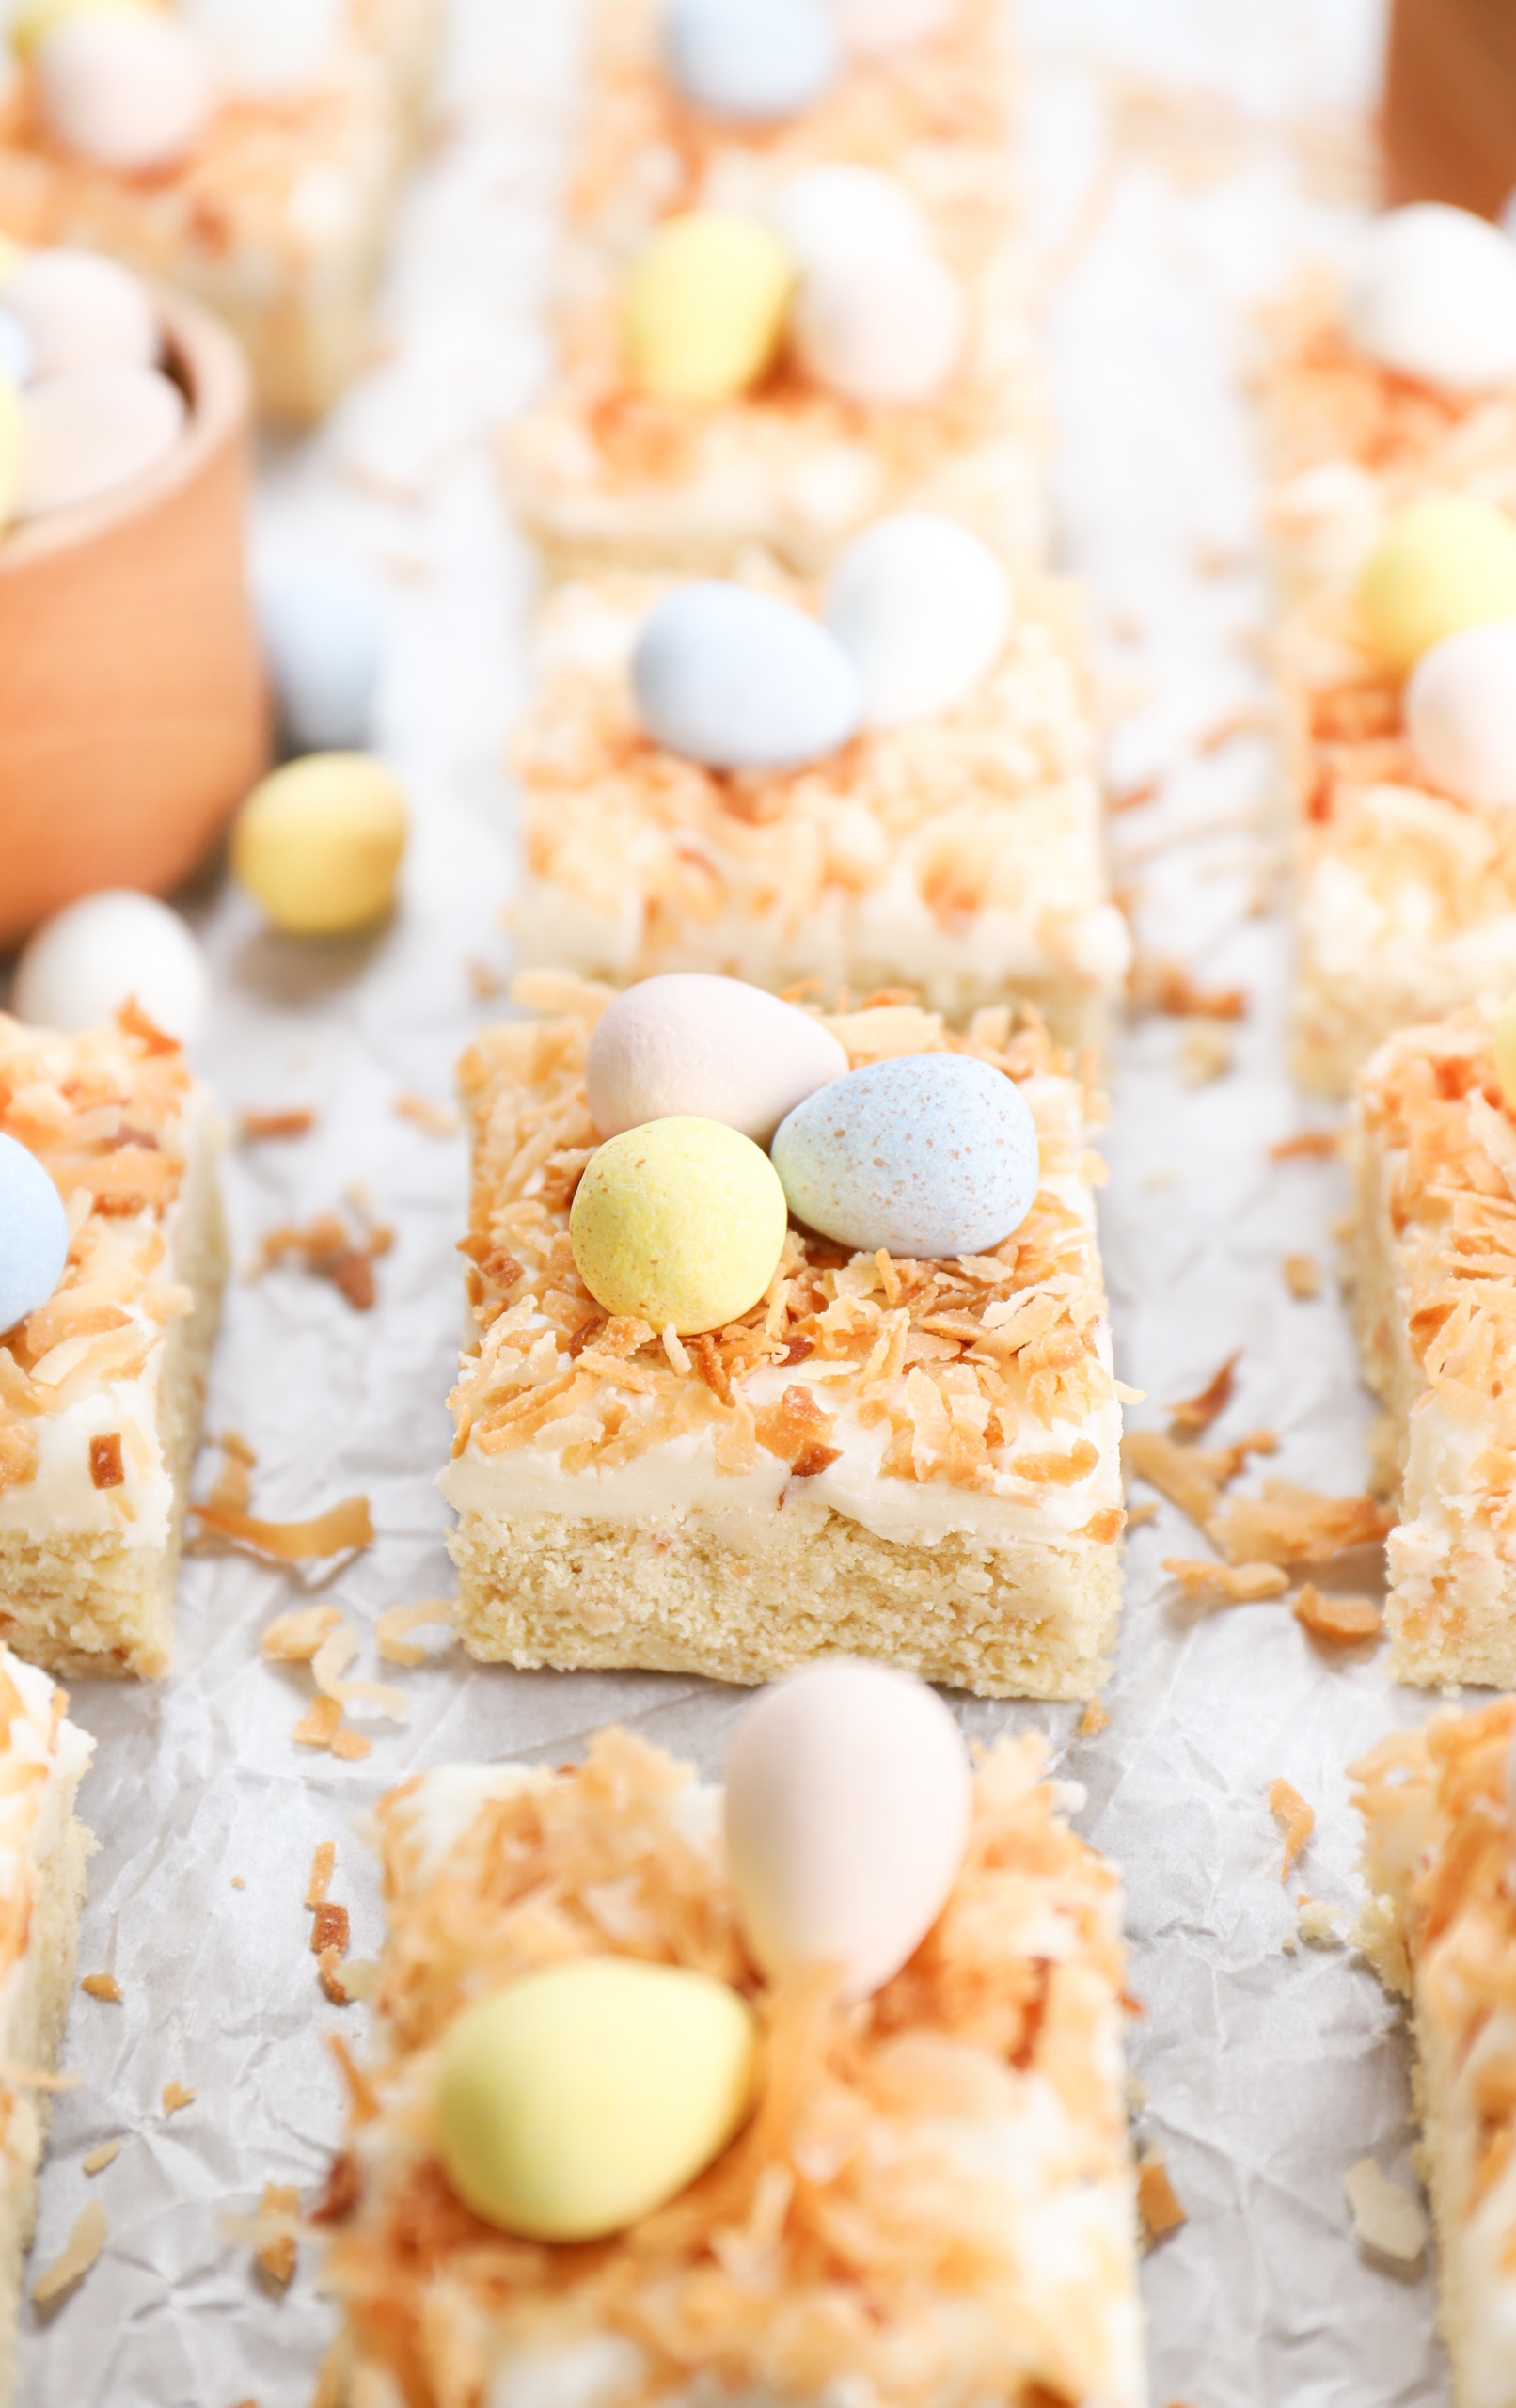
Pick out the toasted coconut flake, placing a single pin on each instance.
(1174, 1471)
(295, 1638)
(78, 2256)
(342, 1526)
(1227, 1584)
(1303, 1276)
(1093, 1720)
(1138, 1517)
(273, 2234)
(331, 1661)
(1342, 1621)
(253, 1126)
(1206, 1052)
(1161, 985)
(437, 1119)
(1157, 2202)
(1385, 2218)
(323, 1727)
(322, 1864)
(1296, 1819)
(107, 1469)
(390, 1628)
(1317, 1921)
(96, 2159)
(175, 2095)
(103, 1986)
(1195, 1414)
(328, 1250)
(1316, 1144)
(1293, 1525)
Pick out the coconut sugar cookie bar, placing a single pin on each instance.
(1433, 1274)
(962, 856)
(1440, 1930)
(933, 2196)
(101, 1387)
(912, 1459)
(43, 1850)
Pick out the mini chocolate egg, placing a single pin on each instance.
(322, 638)
(740, 680)
(34, 1234)
(319, 843)
(753, 61)
(125, 88)
(848, 1800)
(1461, 714)
(1505, 1048)
(870, 26)
(79, 311)
(836, 209)
(927, 1155)
(86, 434)
(1432, 293)
(11, 440)
(678, 1221)
(581, 2097)
(923, 607)
(883, 326)
(716, 1049)
(1445, 562)
(16, 356)
(116, 947)
(704, 308)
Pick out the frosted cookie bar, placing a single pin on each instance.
(929, 2190)
(874, 1452)
(268, 197)
(102, 1382)
(1433, 1251)
(1440, 1930)
(43, 1849)
(961, 854)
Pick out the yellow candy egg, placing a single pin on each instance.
(580, 2099)
(680, 1221)
(319, 843)
(12, 425)
(704, 306)
(1506, 1052)
(28, 28)
(1445, 562)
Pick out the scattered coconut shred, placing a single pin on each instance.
(1296, 1819)
(318, 1636)
(328, 1248)
(273, 2234)
(330, 1933)
(343, 1529)
(78, 2254)
(1157, 2202)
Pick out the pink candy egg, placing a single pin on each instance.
(888, 325)
(80, 311)
(84, 434)
(127, 90)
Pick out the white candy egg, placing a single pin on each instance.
(835, 211)
(322, 635)
(883, 326)
(128, 90)
(96, 954)
(924, 608)
(267, 46)
(869, 27)
(1433, 293)
(80, 311)
(85, 434)
(1461, 713)
(847, 1809)
(714, 1048)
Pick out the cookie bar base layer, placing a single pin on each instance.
(1019, 1619)
(84, 1604)
(34, 2035)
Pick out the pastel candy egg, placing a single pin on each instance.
(1461, 713)
(714, 1048)
(1445, 562)
(923, 607)
(125, 88)
(869, 27)
(1432, 294)
(34, 1234)
(740, 680)
(1506, 1052)
(109, 949)
(848, 1809)
(837, 210)
(319, 843)
(927, 1155)
(884, 326)
(580, 2097)
(323, 640)
(680, 1221)
(79, 311)
(753, 60)
(17, 358)
(88, 432)
(704, 304)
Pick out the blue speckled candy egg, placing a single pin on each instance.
(16, 356)
(752, 60)
(323, 642)
(930, 1154)
(34, 1234)
(739, 681)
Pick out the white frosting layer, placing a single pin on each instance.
(32, 1819)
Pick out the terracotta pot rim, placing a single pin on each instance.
(210, 368)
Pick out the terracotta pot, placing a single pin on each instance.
(1451, 103)
(132, 710)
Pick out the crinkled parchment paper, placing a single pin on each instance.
(1180, 157)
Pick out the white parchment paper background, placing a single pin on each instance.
(1180, 156)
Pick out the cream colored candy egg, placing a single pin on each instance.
(1445, 562)
(79, 311)
(1461, 714)
(86, 434)
(848, 1809)
(1506, 1052)
(1432, 294)
(126, 89)
(319, 843)
(881, 325)
(108, 949)
(703, 312)
(923, 607)
(835, 210)
(680, 1221)
(580, 2097)
(714, 1048)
